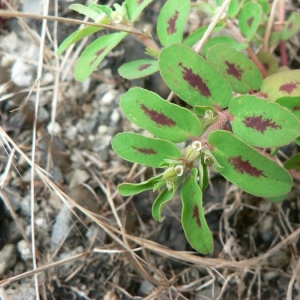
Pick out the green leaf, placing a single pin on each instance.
(234, 8)
(203, 175)
(269, 62)
(262, 123)
(135, 8)
(95, 53)
(278, 198)
(195, 37)
(226, 40)
(247, 168)
(160, 202)
(192, 78)
(127, 189)
(249, 19)
(138, 68)
(265, 6)
(282, 84)
(160, 117)
(172, 20)
(84, 10)
(291, 103)
(77, 36)
(293, 162)
(240, 72)
(101, 8)
(146, 151)
(193, 220)
(291, 27)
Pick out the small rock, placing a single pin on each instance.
(54, 129)
(101, 146)
(24, 250)
(79, 176)
(23, 291)
(23, 74)
(56, 174)
(146, 288)
(8, 258)
(43, 115)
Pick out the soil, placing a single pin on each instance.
(66, 233)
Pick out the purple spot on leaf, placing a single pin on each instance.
(250, 21)
(260, 124)
(234, 70)
(296, 108)
(172, 23)
(147, 151)
(290, 26)
(288, 87)
(196, 215)
(157, 117)
(140, 2)
(144, 67)
(195, 81)
(266, 66)
(97, 54)
(244, 166)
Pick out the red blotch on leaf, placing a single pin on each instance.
(296, 108)
(244, 166)
(172, 23)
(196, 215)
(157, 117)
(288, 87)
(140, 2)
(97, 54)
(195, 81)
(234, 70)
(260, 124)
(266, 66)
(147, 151)
(144, 67)
(290, 26)
(250, 21)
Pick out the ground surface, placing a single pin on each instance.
(90, 243)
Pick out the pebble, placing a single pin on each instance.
(24, 250)
(145, 288)
(22, 74)
(8, 258)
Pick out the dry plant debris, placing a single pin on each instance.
(65, 233)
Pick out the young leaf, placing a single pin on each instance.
(293, 162)
(144, 150)
(282, 84)
(160, 117)
(95, 53)
(160, 202)
(192, 78)
(291, 26)
(193, 220)
(262, 123)
(226, 40)
(77, 36)
(172, 20)
(138, 68)
(247, 168)
(203, 175)
(240, 72)
(291, 103)
(234, 8)
(84, 10)
(269, 62)
(127, 189)
(135, 8)
(249, 19)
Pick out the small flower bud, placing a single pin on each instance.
(209, 114)
(172, 173)
(192, 152)
(208, 160)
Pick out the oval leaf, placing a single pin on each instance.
(240, 72)
(192, 78)
(262, 123)
(77, 36)
(247, 168)
(138, 68)
(144, 150)
(193, 220)
(127, 189)
(286, 83)
(249, 19)
(160, 117)
(135, 8)
(225, 40)
(269, 62)
(291, 103)
(160, 202)
(84, 10)
(95, 53)
(172, 20)
(293, 162)
(291, 26)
